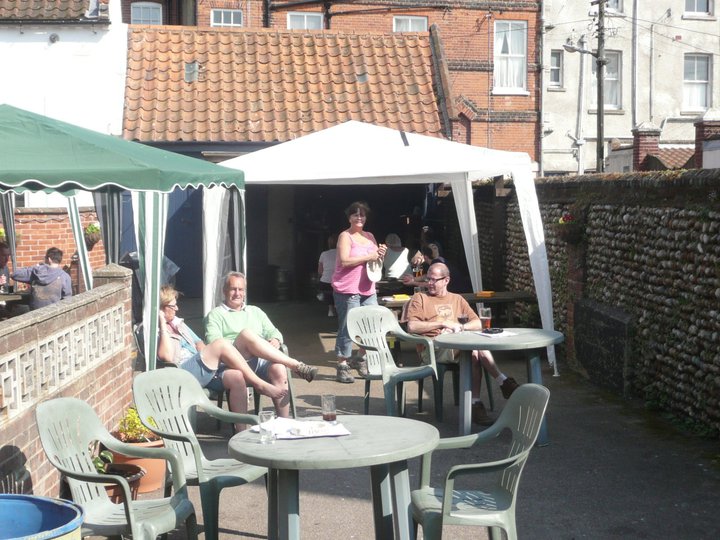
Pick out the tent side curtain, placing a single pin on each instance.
(79, 236)
(535, 237)
(107, 206)
(150, 209)
(7, 211)
(224, 240)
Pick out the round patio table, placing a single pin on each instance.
(529, 340)
(383, 443)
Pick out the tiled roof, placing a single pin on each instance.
(49, 10)
(270, 85)
(674, 158)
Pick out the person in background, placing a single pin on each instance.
(351, 285)
(249, 329)
(4, 277)
(217, 366)
(326, 267)
(50, 283)
(460, 283)
(436, 312)
(395, 263)
(427, 239)
(4, 258)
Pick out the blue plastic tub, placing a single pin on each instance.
(28, 517)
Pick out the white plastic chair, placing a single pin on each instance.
(167, 396)
(492, 503)
(69, 430)
(369, 327)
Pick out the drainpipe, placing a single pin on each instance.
(266, 13)
(541, 104)
(579, 139)
(634, 85)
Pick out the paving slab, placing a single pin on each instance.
(612, 469)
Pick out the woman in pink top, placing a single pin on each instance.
(351, 285)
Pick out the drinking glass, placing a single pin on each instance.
(329, 413)
(267, 435)
(485, 317)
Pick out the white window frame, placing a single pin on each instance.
(693, 11)
(556, 68)
(691, 84)
(505, 37)
(227, 18)
(146, 13)
(410, 23)
(615, 6)
(613, 78)
(304, 17)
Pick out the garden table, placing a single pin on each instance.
(529, 340)
(383, 443)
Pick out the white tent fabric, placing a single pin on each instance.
(215, 203)
(365, 154)
(150, 209)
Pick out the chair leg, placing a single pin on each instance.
(190, 527)
(401, 398)
(209, 502)
(390, 399)
(438, 392)
(421, 384)
(488, 385)
(456, 386)
(366, 402)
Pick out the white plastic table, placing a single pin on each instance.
(383, 443)
(529, 340)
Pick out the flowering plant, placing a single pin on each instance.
(566, 218)
(92, 228)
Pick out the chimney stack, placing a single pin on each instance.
(646, 140)
(706, 127)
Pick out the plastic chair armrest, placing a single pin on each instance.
(228, 416)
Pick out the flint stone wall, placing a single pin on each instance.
(651, 251)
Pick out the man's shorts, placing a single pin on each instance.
(260, 366)
(443, 356)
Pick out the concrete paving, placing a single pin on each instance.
(612, 469)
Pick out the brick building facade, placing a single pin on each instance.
(483, 111)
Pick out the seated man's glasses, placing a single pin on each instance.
(435, 280)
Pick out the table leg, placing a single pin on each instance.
(401, 500)
(534, 375)
(465, 409)
(288, 504)
(272, 489)
(382, 501)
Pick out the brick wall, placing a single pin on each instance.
(42, 228)
(507, 122)
(38, 363)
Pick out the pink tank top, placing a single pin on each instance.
(354, 279)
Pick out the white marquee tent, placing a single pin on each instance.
(356, 153)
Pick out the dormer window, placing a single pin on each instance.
(146, 13)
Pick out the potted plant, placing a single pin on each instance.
(570, 227)
(131, 430)
(104, 463)
(92, 235)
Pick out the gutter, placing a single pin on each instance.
(447, 108)
(32, 22)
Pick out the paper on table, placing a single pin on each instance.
(504, 333)
(289, 428)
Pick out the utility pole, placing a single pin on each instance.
(600, 61)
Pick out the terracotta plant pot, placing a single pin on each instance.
(154, 468)
(132, 473)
